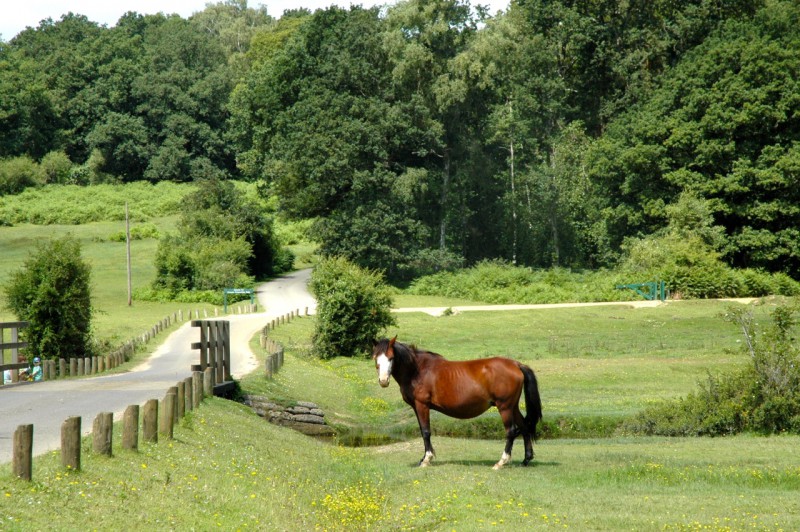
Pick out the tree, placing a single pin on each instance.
(353, 307)
(422, 40)
(224, 239)
(51, 292)
(722, 126)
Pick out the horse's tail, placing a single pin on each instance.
(533, 403)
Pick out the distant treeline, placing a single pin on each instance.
(428, 135)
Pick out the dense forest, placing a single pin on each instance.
(427, 134)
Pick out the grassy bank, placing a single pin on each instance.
(227, 469)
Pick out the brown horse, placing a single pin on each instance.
(462, 390)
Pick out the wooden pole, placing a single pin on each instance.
(188, 393)
(150, 421)
(102, 431)
(197, 388)
(130, 428)
(71, 443)
(208, 382)
(166, 424)
(23, 452)
(128, 250)
(180, 407)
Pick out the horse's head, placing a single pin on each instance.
(383, 355)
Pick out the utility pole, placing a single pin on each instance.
(128, 247)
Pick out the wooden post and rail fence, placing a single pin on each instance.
(154, 418)
(11, 334)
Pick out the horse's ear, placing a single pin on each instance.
(391, 342)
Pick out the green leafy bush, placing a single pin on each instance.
(55, 167)
(73, 204)
(502, 283)
(353, 306)
(17, 174)
(138, 232)
(763, 397)
(51, 292)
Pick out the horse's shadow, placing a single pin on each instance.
(489, 463)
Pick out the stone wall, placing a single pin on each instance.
(302, 416)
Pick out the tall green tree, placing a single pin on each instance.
(321, 127)
(721, 125)
(422, 40)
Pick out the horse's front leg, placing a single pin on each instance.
(424, 419)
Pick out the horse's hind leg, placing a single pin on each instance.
(526, 436)
(512, 432)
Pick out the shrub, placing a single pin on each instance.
(501, 283)
(763, 397)
(17, 174)
(55, 167)
(51, 292)
(690, 267)
(138, 232)
(353, 306)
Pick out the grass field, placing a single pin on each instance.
(228, 469)
(596, 366)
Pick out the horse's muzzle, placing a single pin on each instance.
(384, 383)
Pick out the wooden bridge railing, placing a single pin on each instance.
(14, 345)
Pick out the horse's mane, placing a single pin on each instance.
(410, 352)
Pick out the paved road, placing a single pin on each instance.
(47, 404)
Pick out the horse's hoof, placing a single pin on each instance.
(498, 466)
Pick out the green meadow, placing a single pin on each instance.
(228, 469)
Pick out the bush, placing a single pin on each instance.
(764, 397)
(501, 283)
(56, 167)
(51, 292)
(17, 174)
(353, 306)
(138, 232)
(690, 267)
(73, 205)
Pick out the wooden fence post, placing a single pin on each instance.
(197, 388)
(150, 421)
(102, 431)
(208, 382)
(188, 394)
(166, 424)
(23, 452)
(130, 428)
(180, 406)
(268, 365)
(71, 443)
(174, 412)
(226, 350)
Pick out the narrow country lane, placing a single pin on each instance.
(47, 404)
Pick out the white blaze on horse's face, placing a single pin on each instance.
(384, 365)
